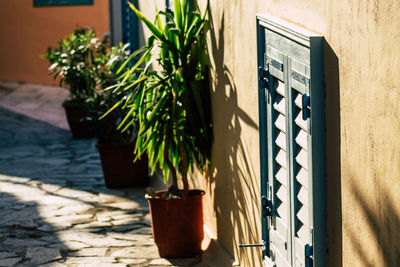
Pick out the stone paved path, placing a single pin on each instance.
(54, 207)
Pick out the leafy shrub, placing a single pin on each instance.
(79, 61)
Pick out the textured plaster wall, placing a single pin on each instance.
(233, 180)
(362, 63)
(27, 31)
(363, 112)
(365, 35)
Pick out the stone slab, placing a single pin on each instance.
(98, 252)
(7, 255)
(42, 255)
(9, 261)
(90, 260)
(148, 252)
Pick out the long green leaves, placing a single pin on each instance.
(156, 32)
(178, 14)
(171, 103)
(134, 54)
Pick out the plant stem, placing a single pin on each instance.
(169, 163)
(183, 164)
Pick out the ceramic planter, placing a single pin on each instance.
(177, 224)
(119, 170)
(78, 119)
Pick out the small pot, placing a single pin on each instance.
(78, 119)
(119, 170)
(177, 224)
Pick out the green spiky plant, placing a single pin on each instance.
(171, 103)
(106, 128)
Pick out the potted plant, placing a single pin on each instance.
(116, 148)
(78, 62)
(172, 105)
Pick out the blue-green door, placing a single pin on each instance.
(292, 144)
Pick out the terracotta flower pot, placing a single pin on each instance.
(78, 119)
(119, 170)
(177, 224)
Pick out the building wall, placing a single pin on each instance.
(362, 110)
(27, 31)
(233, 180)
(365, 37)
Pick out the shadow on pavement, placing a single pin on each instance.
(23, 241)
(56, 209)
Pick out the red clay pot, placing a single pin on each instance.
(78, 119)
(119, 170)
(177, 224)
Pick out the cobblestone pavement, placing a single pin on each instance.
(54, 207)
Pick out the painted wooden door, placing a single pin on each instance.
(291, 144)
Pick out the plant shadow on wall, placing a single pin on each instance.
(383, 223)
(232, 174)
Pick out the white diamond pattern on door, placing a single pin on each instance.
(290, 227)
(280, 190)
(300, 115)
(281, 219)
(301, 222)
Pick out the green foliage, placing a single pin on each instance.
(79, 61)
(172, 104)
(104, 105)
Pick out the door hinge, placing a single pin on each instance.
(263, 76)
(308, 255)
(306, 102)
(266, 207)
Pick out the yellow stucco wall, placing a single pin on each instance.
(362, 111)
(233, 181)
(365, 36)
(363, 102)
(27, 31)
(362, 63)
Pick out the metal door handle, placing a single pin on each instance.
(260, 245)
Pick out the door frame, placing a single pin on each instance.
(317, 126)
